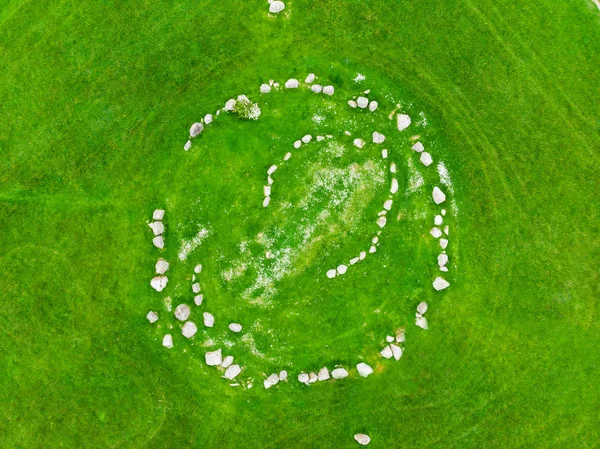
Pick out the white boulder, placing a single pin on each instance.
(310, 78)
(362, 439)
(387, 352)
(158, 242)
(159, 283)
(230, 104)
(342, 269)
(158, 214)
(438, 196)
(381, 221)
(339, 373)
(352, 104)
(291, 83)
(378, 137)
(440, 283)
(272, 169)
(227, 361)
(235, 327)
(189, 329)
(303, 377)
(232, 372)
(444, 243)
(359, 143)
(422, 308)
(394, 187)
(266, 201)
(167, 341)
(283, 375)
(402, 121)
(316, 88)
(182, 312)
(273, 379)
(421, 322)
(196, 129)
(213, 358)
(362, 102)
(198, 299)
(188, 145)
(442, 259)
(157, 227)
(396, 351)
(328, 90)
(266, 190)
(331, 273)
(387, 205)
(364, 370)
(426, 159)
(436, 233)
(152, 317)
(373, 106)
(196, 287)
(418, 147)
(161, 266)
(265, 88)
(209, 320)
(438, 220)
(307, 138)
(323, 374)
(276, 7)
(198, 269)
(208, 118)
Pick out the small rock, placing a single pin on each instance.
(265, 88)
(198, 269)
(291, 84)
(381, 221)
(362, 439)
(213, 358)
(442, 259)
(384, 154)
(359, 143)
(438, 196)
(182, 312)
(196, 287)
(421, 322)
(157, 227)
(354, 260)
(307, 138)
(266, 201)
(402, 121)
(422, 308)
(339, 373)
(436, 233)
(373, 106)
(158, 242)
(232, 371)
(267, 190)
(310, 78)
(323, 374)
(316, 88)
(297, 144)
(342, 269)
(227, 361)
(235, 327)
(198, 299)
(167, 341)
(378, 137)
(209, 320)
(159, 283)
(387, 352)
(331, 273)
(230, 105)
(446, 230)
(320, 138)
(394, 187)
(373, 249)
(162, 266)
(389, 339)
(400, 337)
(444, 212)
(328, 90)
(271, 169)
(152, 317)
(426, 159)
(352, 104)
(189, 329)
(196, 129)
(283, 375)
(362, 102)
(276, 7)
(392, 168)
(208, 118)
(440, 283)
(438, 220)
(187, 145)
(158, 214)
(396, 351)
(364, 370)
(387, 205)
(418, 147)
(303, 377)
(269, 180)
(312, 378)
(362, 255)
(444, 243)
(273, 379)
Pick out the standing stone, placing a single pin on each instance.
(339, 373)
(444, 243)
(196, 287)
(276, 7)
(152, 317)
(196, 129)
(303, 377)
(394, 187)
(364, 370)
(328, 90)
(266, 190)
(167, 341)
(198, 269)
(162, 266)
(342, 269)
(158, 242)
(331, 274)
(312, 378)
(381, 221)
(273, 379)
(230, 105)
(440, 284)
(283, 375)
(189, 329)
(198, 299)
(232, 371)
(438, 220)
(227, 361)
(362, 439)
(307, 138)
(157, 227)
(182, 312)
(438, 196)
(158, 214)
(272, 169)
(436, 233)
(442, 259)
(387, 205)
(209, 320)
(214, 358)
(208, 118)
(352, 104)
(159, 283)
(266, 201)
(291, 83)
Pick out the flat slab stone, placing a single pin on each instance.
(402, 121)
(440, 283)
(159, 283)
(161, 266)
(438, 196)
(339, 373)
(182, 312)
(364, 370)
(232, 372)
(214, 358)
(152, 317)
(362, 439)
(158, 242)
(189, 329)
(158, 214)
(167, 341)
(235, 327)
(209, 320)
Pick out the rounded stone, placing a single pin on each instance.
(182, 312)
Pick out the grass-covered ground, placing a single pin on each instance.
(96, 101)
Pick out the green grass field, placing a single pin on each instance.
(97, 99)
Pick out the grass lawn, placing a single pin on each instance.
(97, 99)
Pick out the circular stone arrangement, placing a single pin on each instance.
(386, 146)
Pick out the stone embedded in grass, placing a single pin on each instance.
(381, 221)
(196, 287)
(287, 156)
(418, 147)
(354, 260)
(291, 84)
(331, 273)
(208, 118)
(303, 377)
(230, 105)
(426, 159)
(227, 361)
(310, 78)
(421, 322)
(209, 320)
(352, 104)
(440, 283)
(187, 145)
(362, 255)
(323, 374)
(389, 339)
(232, 371)
(359, 143)
(387, 205)
(297, 144)
(339, 373)
(198, 299)
(272, 169)
(362, 102)
(265, 88)
(273, 379)
(182, 312)
(320, 138)
(422, 308)
(378, 137)
(447, 230)
(152, 317)
(328, 90)
(364, 370)
(402, 121)
(438, 220)
(198, 269)
(400, 337)
(387, 353)
(362, 439)
(189, 329)
(392, 168)
(196, 129)
(373, 249)
(157, 227)
(158, 214)
(158, 242)
(394, 187)
(269, 180)
(316, 88)
(307, 138)
(283, 375)
(436, 233)
(373, 106)
(442, 259)
(342, 269)
(266, 201)
(235, 327)
(267, 190)
(444, 212)
(312, 378)
(444, 243)
(384, 154)
(396, 351)
(438, 196)
(276, 7)
(213, 358)
(159, 283)
(162, 266)
(167, 341)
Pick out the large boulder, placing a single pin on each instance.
(402, 121)
(339, 373)
(182, 312)
(438, 196)
(196, 129)
(276, 7)
(364, 370)
(159, 283)
(189, 329)
(214, 358)
(162, 266)
(362, 439)
(232, 371)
